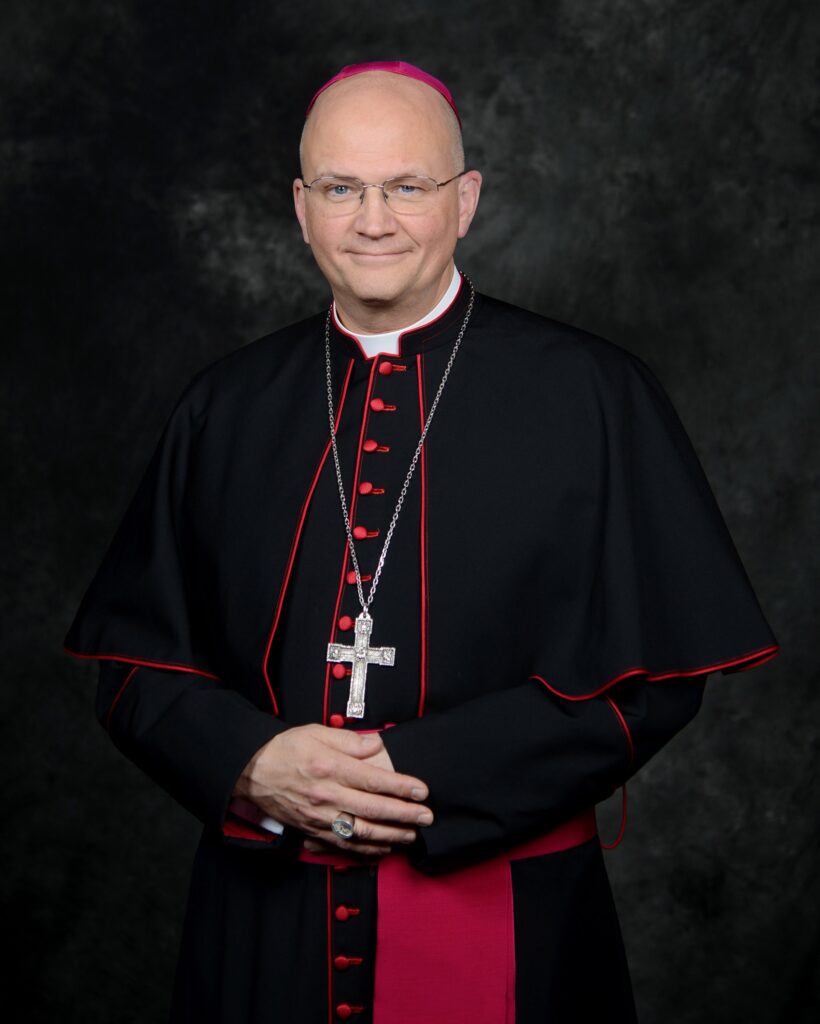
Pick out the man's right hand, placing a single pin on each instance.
(307, 774)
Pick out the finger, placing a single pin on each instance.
(374, 807)
(364, 745)
(348, 741)
(371, 779)
(365, 830)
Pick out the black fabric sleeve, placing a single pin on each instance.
(192, 735)
(509, 765)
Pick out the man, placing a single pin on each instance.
(407, 588)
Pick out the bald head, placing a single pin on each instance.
(386, 266)
(380, 109)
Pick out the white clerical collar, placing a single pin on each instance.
(388, 343)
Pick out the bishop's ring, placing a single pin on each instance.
(342, 825)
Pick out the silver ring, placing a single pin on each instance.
(342, 825)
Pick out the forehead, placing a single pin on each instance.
(378, 123)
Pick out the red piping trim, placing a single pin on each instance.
(295, 542)
(349, 334)
(424, 568)
(436, 320)
(114, 702)
(617, 712)
(351, 515)
(754, 658)
(622, 829)
(148, 664)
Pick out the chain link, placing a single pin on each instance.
(366, 603)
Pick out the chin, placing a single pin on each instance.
(378, 286)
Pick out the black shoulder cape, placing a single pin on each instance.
(572, 534)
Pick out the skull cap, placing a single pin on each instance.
(395, 67)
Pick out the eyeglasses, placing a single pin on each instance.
(407, 194)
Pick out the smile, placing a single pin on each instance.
(376, 257)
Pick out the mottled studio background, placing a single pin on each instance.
(651, 175)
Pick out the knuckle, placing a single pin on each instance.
(373, 783)
(364, 830)
(315, 795)
(320, 766)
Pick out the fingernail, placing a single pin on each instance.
(417, 794)
(409, 837)
(425, 818)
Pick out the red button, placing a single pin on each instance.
(345, 622)
(377, 404)
(345, 1010)
(337, 721)
(365, 487)
(341, 963)
(351, 576)
(342, 913)
(385, 368)
(370, 445)
(339, 671)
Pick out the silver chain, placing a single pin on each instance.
(366, 603)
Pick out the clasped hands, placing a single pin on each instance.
(305, 775)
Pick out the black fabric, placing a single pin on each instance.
(190, 734)
(569, 950)
(558, 547)
(564, 502)
(255, 941)
(508, 766)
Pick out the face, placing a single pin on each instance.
(383, 266)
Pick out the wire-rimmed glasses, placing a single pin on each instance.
(406, 194)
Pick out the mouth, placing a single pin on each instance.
(375, 257)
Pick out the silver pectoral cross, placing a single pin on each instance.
(360, 655)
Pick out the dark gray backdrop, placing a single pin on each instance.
(650, 175)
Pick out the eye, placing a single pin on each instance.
(409, 189)
(336, 190)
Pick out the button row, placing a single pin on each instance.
(346, 622)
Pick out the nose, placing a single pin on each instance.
(374, 217)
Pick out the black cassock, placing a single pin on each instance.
(559, 585)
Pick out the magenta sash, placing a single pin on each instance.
(445, 944)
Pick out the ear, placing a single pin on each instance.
(299, 193)
(469, 189)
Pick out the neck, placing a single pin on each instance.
(380, 318)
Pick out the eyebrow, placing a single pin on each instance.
(400, 174)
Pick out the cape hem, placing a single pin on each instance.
(144, 661)
(746, 661)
